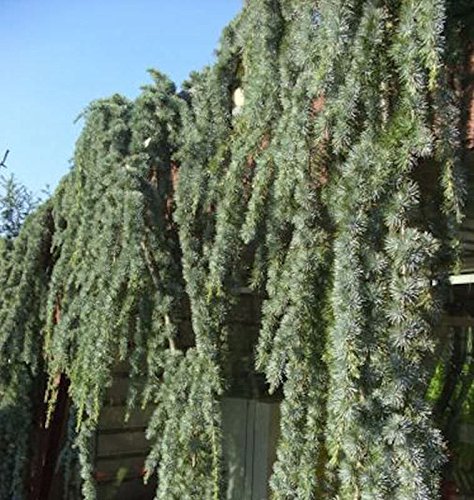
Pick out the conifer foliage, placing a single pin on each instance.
(298, 155)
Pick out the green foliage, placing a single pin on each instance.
(319, 182)
(24, 276)
(103, 287)
(115, 280)
(452, 392)
(16, 202)
(309, 190)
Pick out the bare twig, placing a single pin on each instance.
(5, 156)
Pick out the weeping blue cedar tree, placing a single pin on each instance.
(310, 193)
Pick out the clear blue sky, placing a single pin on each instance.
(58, 55)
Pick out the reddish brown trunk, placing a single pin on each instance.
(46, 442)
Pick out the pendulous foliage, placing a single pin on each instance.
(295, 165)
(24, 278)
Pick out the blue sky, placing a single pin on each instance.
(58, 55)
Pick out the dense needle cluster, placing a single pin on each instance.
(292, 165)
